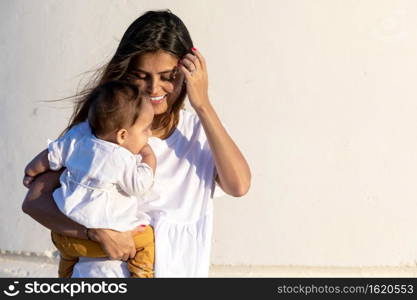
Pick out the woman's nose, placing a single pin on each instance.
(153, 87)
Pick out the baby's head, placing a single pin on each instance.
(119, 114)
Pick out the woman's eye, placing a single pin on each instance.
(168, 78)
(171, 77)
(138, 75)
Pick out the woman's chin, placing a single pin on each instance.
(159, 107)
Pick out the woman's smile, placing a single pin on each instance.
(158, 99)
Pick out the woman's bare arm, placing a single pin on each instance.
(233, 171)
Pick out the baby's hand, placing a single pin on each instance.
(148, 156)
(27, 180)
(146, 150)
(38, 165)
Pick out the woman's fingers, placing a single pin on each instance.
(115, 255)
(200, 57)
(138, 229)
(185, 71)
(193, 61)
(189, 64)
(125, 256)
(117, 245)
(196, 78)
(119, 255)
(132, 253)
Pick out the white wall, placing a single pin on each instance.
(319, 95)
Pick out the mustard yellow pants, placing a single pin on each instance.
(141, 266)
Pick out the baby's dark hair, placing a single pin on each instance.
(113, 105)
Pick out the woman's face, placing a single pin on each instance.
(156, 74)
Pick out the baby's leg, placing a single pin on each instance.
(71, 249)
(142, 265)
(66, 265)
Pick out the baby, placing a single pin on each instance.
(105, 178)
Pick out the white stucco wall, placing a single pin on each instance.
(319, 95)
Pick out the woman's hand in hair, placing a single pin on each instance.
(117, 245)
(194, 68)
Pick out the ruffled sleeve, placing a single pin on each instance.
(136, 178)
(55, 155)
(59, 149)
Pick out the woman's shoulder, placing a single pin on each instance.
(190, 126)
(188, 119)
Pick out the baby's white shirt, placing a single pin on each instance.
(103, 184)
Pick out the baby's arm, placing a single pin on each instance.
(148, 157)
(137, 177)
(38, 165)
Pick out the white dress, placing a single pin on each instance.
(180, 205)
(103, 183)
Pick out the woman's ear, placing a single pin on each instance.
(121, 136)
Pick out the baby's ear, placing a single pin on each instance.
(121, 136)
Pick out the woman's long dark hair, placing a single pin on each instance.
(153, 31)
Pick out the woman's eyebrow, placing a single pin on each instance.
(163, 72)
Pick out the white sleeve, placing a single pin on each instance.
(136, 177)
(59, 149)
(55, 154)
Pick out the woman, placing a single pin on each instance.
(194, 154)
